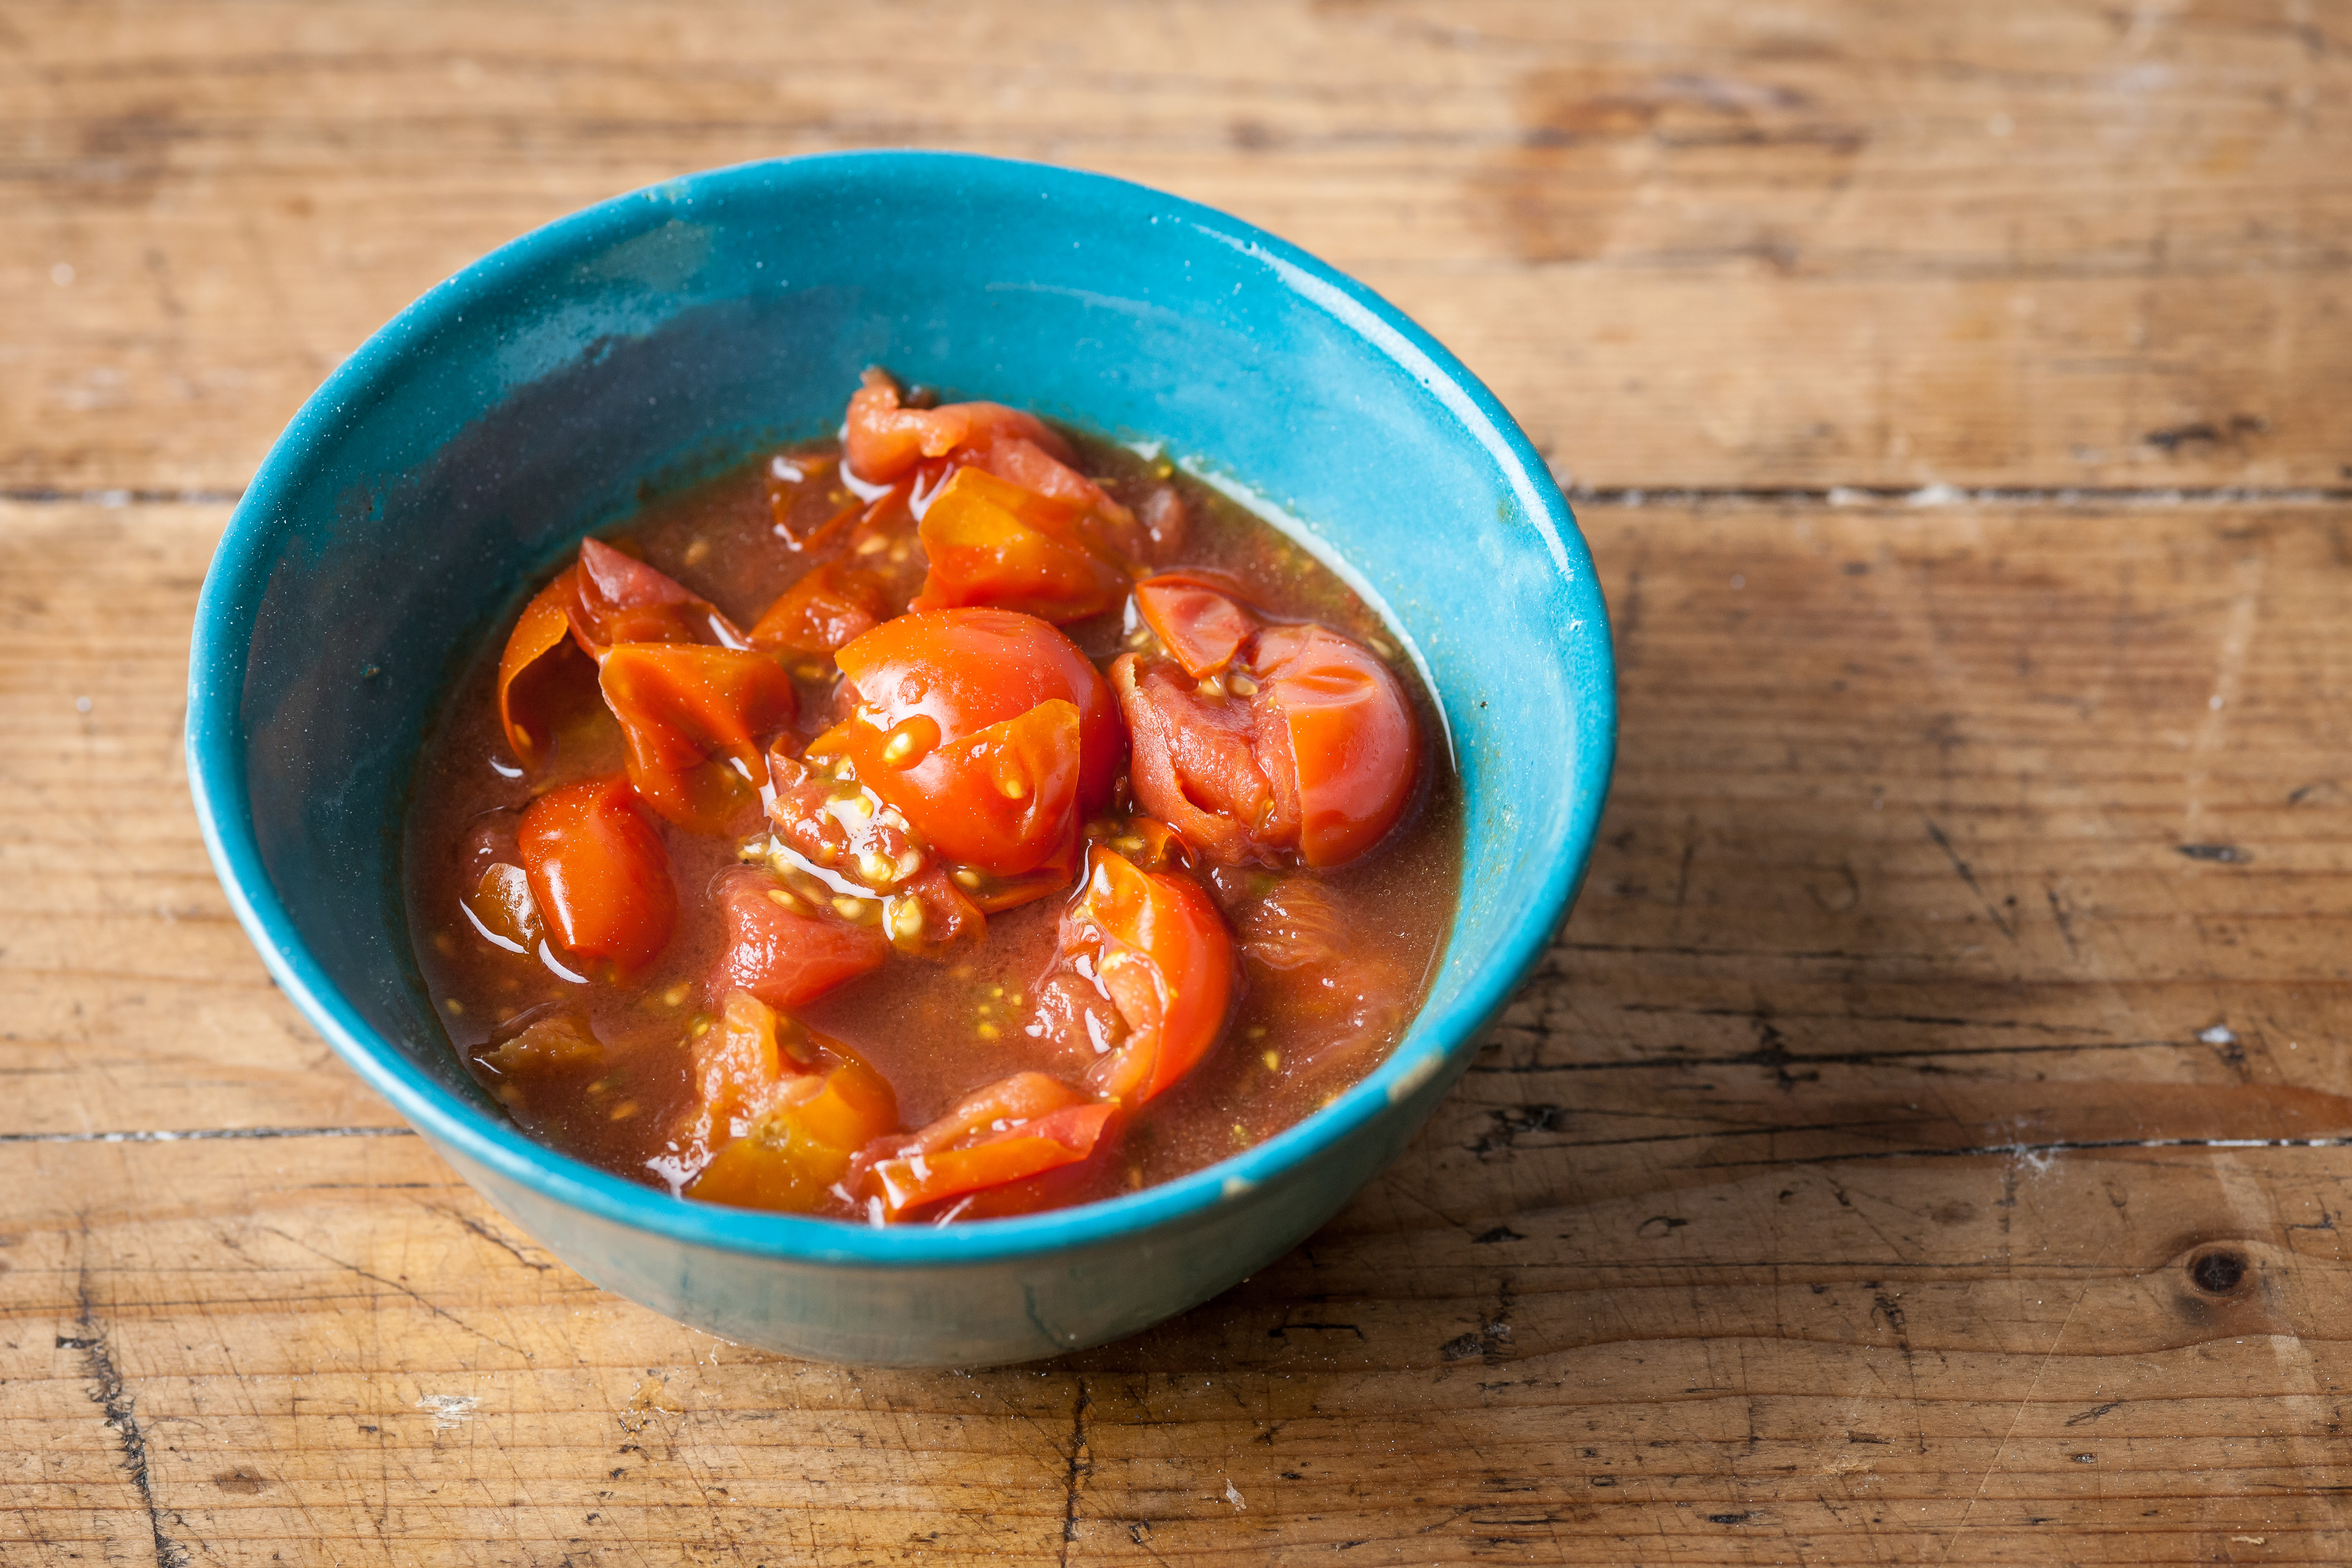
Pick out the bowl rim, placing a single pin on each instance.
(230, 602)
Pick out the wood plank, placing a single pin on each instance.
(1817, 1201)
(1711, 244)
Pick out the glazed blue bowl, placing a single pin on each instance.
(649, 341)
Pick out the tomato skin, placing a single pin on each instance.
(620, 599)
(1160, 953)
(696, 721)
(993, 542)
(988, 729)
(834, 604)
(1349, 732)
(786, 953)
(1308, 748)
(598, 873)
(1044, 1125)
(885, 441)
(542, 629)
(1198, 619)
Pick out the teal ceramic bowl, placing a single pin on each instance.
(645, 342)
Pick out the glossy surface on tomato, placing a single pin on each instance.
(993, 542)
(619, 599)
(696, 721)
(949, 885)
(599, 873)
(988, 729)
(1014, 1129)
(1306, 745)
(835, 604)
(1153, 945)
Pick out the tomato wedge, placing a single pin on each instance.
(598, 873)
(989, 541)
(1151, 943)
(987, 729)
(781, 948)
(1017, 1128)
(697, 720)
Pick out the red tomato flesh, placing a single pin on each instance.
(783, 950)
(599, 873)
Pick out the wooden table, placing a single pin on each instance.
(1926, 1143)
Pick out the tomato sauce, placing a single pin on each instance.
(963, 819)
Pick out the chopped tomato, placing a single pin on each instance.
(793, 1155)
(1198, 620)
(991, 541)
(620, 599)
(697, 722)
(543, 630)
(1307, 746)
(836, 823)
(781, 948)
(830, 606)
(987, 729)
(538, 1060)
(598, 873)
(1349, 735)
(1014, 1129)
(885, 441)
(1150, 943)
(501, 909)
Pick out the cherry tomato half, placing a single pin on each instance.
(697, 722)
(1152, 944)
(1306, 745)
(799, 1146)
(783, 950)
(986, 728)
(598, 872)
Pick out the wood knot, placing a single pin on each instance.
(2217, 1272)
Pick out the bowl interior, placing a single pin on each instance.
(640, 344)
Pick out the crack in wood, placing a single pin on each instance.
(206, 1134)
(111, 1395)
(1080, 1467)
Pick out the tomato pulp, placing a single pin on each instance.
(1055, 828)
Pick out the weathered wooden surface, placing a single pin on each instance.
(1927, 1144)
(1828, 242)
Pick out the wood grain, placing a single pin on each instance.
(1847, 1188)
(1822, 243)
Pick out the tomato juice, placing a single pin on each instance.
(960, 820)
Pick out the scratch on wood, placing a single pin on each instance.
(109, 1395)
(429, 1304)
(206, 1134)
(1999, 920)
(1080, 1466)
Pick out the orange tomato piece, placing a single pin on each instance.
(830, 606)
(1199, 621)
(794, 1157)
(598, 873)
(993, 542)
(697, 720)
(1018, 1127)
(620, 599)
(543, 629)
